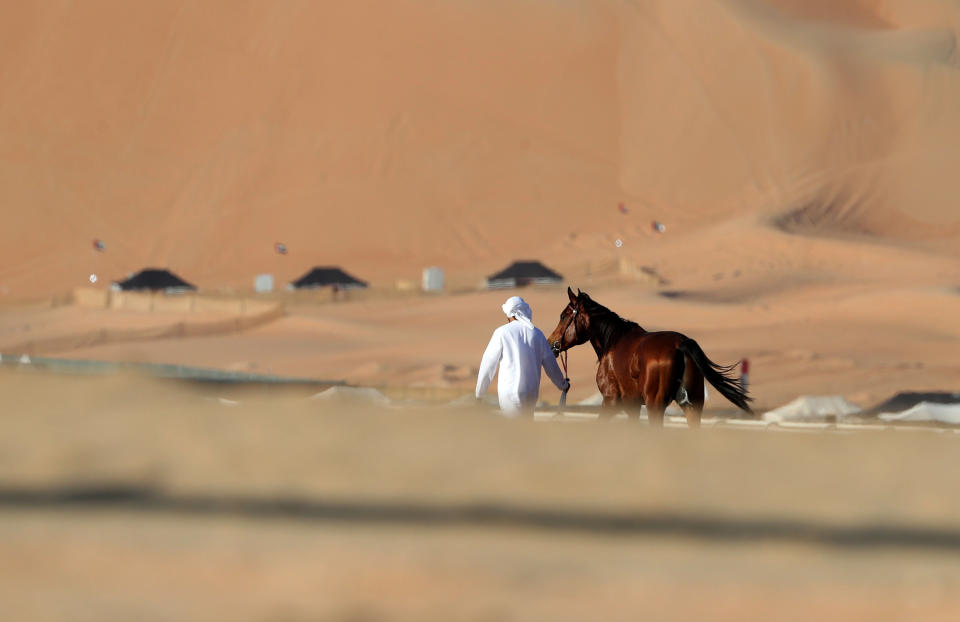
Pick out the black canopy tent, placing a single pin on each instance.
(327, 276)
(908, 399)
(521, 273)
(154, 279)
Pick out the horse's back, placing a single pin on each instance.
(627, 364)
(647, 345)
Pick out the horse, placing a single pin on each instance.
(637, 367)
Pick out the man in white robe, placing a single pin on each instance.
(520, 350)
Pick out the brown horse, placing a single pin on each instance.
(637, 367)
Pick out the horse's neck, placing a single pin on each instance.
(597, 347)
(601, 347)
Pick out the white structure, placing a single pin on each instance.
(927, 411)
(356, 395)
(433, 279)
(263, 283)
(812, 408)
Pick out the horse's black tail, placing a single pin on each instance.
(720, 376)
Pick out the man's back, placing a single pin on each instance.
(524, 347)
(519, 349)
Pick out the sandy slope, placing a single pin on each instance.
(386, 138)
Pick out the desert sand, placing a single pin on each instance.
(121, 497)
(801, 155)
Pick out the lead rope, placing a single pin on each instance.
(563, 394)
(563, 362)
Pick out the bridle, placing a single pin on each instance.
(562, 354)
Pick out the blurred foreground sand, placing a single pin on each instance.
(122, 498)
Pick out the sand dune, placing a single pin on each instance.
(461, 134)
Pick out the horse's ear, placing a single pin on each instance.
(570, 294)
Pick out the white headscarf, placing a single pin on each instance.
(517, 307)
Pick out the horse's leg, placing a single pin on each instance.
(692, 413)
(655, 410)
(639, 374)
(633, 408)
(609, 407)
(656, 405)
(607, 383)
(690, 396)
(653, 396)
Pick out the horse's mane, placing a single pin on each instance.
(605, 325)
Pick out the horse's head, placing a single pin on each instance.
(571, 331)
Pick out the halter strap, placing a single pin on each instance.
(572, 317)
(563, 359)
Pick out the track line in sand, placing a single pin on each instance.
(486, 515)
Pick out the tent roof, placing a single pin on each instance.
(526, 269)
(907, 399)
(327, 275)
(154, 279)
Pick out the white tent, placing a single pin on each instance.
(364, 395)
(927, 411)
(812, 408)
(594, 400)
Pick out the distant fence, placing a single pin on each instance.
(245, 314)
(170, 303)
